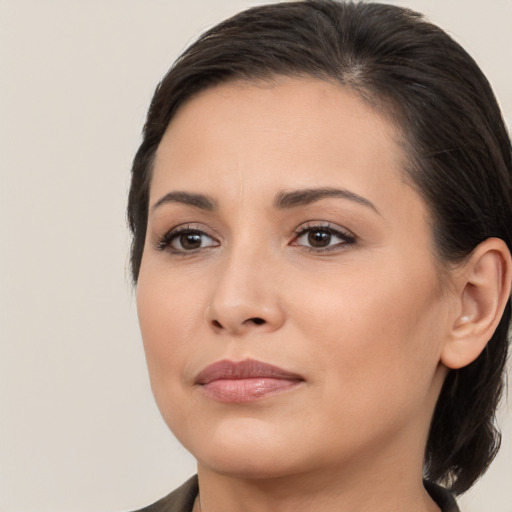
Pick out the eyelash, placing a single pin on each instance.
(346, 238)
(168, 238)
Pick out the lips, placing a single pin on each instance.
(244, 381)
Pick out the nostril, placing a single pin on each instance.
(249, 321)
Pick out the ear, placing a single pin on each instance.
(483, 289)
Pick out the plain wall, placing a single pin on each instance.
(79, 431)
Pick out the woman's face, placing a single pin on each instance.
(285, 249)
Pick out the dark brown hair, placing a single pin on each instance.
(459, 153)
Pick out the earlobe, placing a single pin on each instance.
(483, 288)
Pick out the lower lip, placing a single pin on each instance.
(246, 390)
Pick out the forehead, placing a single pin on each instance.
(288, 132)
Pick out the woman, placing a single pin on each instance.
(320, 210)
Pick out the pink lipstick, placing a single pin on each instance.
(244, 381)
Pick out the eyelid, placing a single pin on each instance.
(346, 236)
(164, 241)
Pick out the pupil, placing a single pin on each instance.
(190, 241)
(319, 238)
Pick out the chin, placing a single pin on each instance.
(248, 466)
(244, 448)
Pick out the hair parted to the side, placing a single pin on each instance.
(460, 158)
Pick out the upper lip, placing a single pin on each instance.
(246, 369)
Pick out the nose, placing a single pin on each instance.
(245, 296)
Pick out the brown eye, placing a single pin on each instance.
(323, 237)
(190, 241)
(184, 240)
(319, 238)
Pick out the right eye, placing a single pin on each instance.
(186, 240)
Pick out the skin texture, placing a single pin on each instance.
(364, 321)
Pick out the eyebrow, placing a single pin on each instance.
(303, 197)
(282, 201)
(198, 200)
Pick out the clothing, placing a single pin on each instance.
(182, 499)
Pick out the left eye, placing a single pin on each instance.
(322, 237)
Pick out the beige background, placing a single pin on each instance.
(78, 427)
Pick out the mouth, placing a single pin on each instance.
(244, 381)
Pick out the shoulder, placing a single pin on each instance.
(179, 500)
(442, 497)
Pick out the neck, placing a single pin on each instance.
(333, 491)
(385, 476)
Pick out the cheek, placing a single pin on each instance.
(169, 314)
(378, 332)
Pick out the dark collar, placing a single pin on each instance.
(182, 499)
